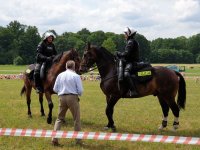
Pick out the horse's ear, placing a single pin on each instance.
(88, 45)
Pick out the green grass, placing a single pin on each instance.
(141, 116)
(12, 69)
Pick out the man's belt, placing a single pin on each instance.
(69, 94)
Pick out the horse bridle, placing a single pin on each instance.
(100, 66)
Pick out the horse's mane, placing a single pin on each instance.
(57, 58)
(107, 54)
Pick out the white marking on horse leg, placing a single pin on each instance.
(164, 123)
(175, 124)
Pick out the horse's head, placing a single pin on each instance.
(68, 55)
(88, 59)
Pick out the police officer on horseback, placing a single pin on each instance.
(45, 53)
(131, 57)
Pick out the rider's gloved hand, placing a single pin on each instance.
(49, 59)
(118, 54)
(52, 57)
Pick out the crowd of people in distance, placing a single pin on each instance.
(11, 76)
(20, 76)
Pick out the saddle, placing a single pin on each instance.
(43, 71)
(44, 68)
(143, 72)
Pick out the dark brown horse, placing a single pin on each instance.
(165, 84)
(58, 66)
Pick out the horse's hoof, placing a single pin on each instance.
(106, 128)
(161, 128)
(30, 116)
(163, 125)
(175, 126)
(49, 120)
(114, 129)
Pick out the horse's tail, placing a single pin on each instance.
(181, 92)
(23, 90)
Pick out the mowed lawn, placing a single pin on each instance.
(140, 116)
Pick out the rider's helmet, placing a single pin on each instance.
(129, 31)
(48, 34)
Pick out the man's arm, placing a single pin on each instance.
(128, 49)
(79, 85)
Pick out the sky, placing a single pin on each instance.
(151, 18)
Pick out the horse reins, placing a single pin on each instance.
(99, 68)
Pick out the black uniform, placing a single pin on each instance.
(45, 53)
(131, 56)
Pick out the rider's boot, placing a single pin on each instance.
(38, 86)
(120, 71)
(132, 87)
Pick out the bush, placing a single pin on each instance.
(18, 61)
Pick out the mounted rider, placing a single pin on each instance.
(45, 53)
(131, 57)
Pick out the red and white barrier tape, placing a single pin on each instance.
(99, 136)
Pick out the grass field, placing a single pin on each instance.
(141, 116)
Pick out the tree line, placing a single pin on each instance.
(18, 45)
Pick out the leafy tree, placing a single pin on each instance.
(84, 34)
(171, 56)
(21, 40)
(18, 61)
(194, 45)
(144, 47)
(28, 43)
(185, 56)
(61, 44)
(156, 44)
(16, 28)
(120, 42)
(180, 43)
(80, 45)
(97, 38)
(109, 45)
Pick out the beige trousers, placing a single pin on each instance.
(66, 102)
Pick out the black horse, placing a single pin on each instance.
(58, 66)
(165, 84)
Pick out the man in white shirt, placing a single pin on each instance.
(68, 86)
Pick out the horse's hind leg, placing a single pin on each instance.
(175, 111)
(41, 104)
(165, 110)
(28, 99)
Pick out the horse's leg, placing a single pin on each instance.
(41, 104)
(111, 101)
(28, 99)
(50, 104)
(165, 110)
(175, 111)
